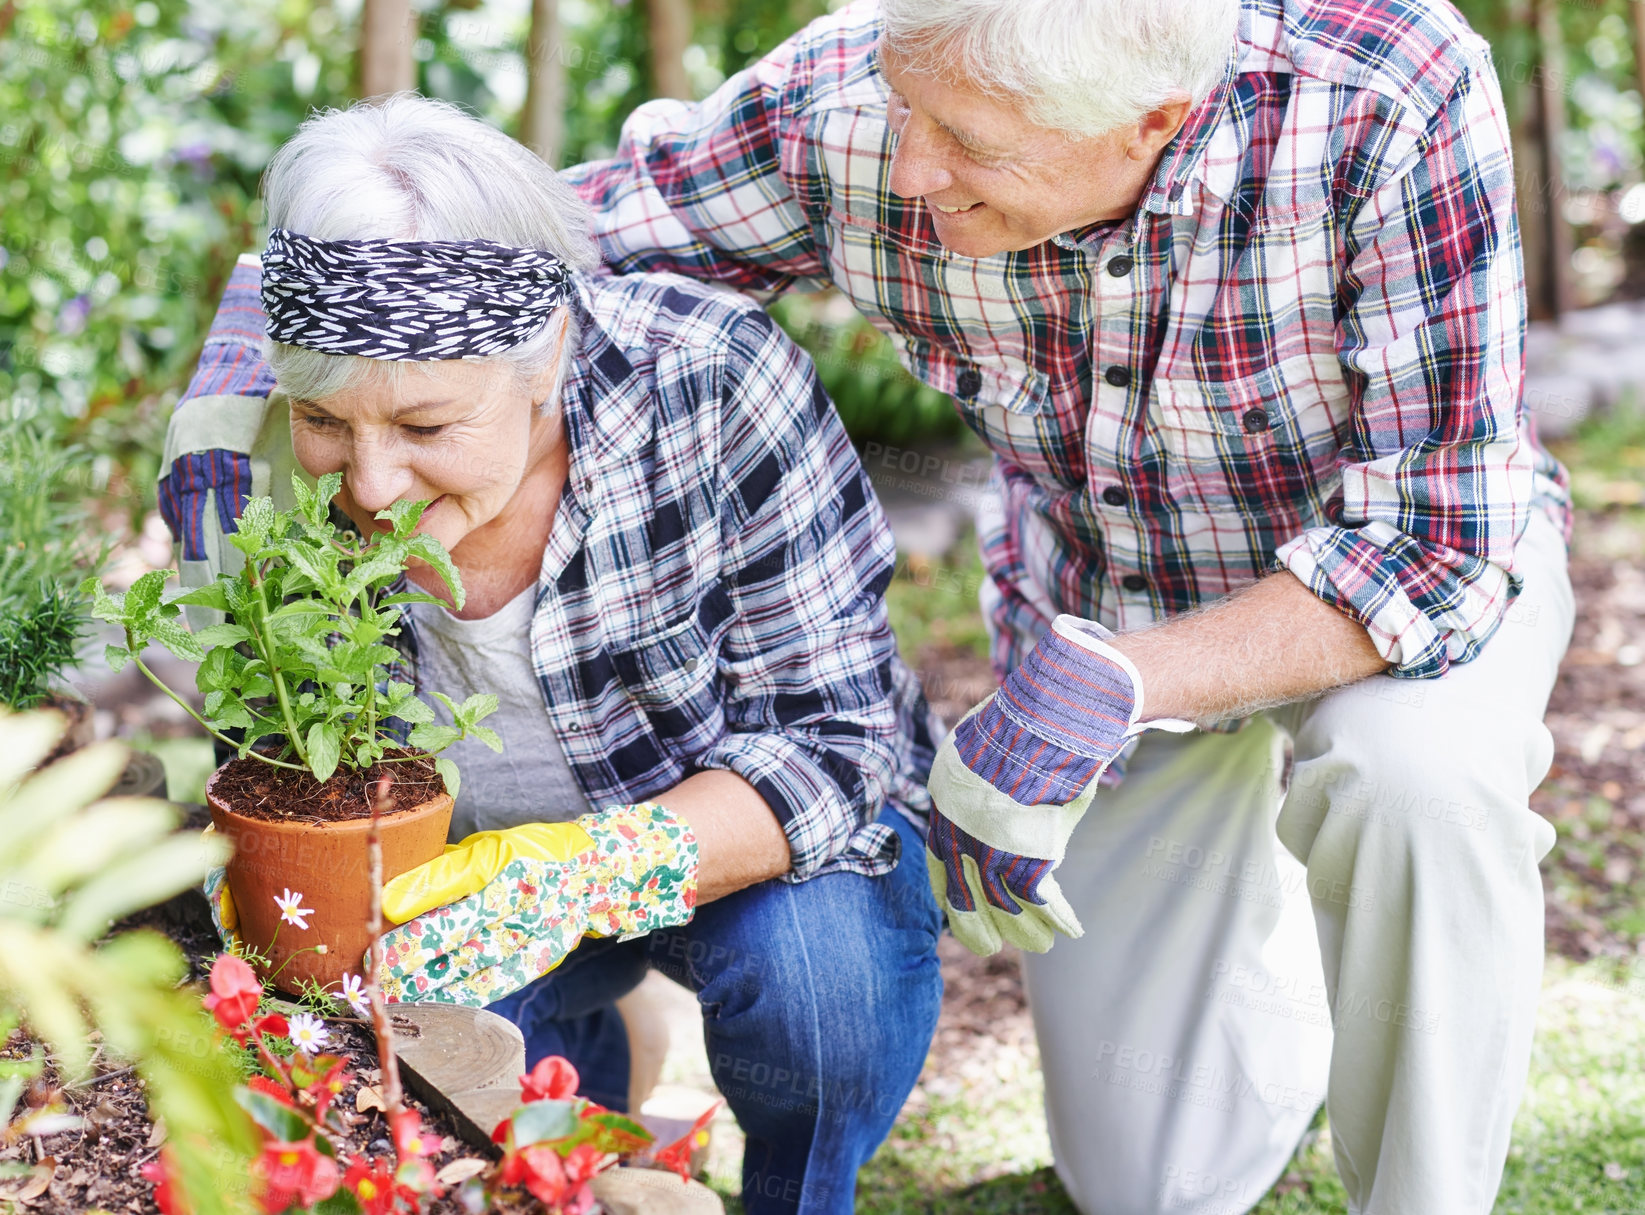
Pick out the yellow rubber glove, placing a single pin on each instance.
(468, 865)
(502, 908)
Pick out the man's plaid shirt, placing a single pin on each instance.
(712, 594)
(1304, 350)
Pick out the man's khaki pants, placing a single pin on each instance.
(1187, 1037)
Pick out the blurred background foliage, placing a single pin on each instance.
(132, 136)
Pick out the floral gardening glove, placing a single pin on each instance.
(503, 908)
(1014, 777)
(223, 916)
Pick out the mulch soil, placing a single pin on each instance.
(262, 791)
(97, 1167)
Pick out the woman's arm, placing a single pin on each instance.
(739, 841)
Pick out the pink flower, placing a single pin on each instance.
(235, 993)
(553, 1079)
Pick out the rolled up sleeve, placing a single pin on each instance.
(1437, 479)
(810, 708)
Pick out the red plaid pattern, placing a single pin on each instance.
(1304, 350)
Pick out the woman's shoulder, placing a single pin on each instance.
(662, 316)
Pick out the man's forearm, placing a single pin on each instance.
(1270, 644)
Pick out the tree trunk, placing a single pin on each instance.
(542, 124)
(1553, 80)
(387, 31)
(1639, 45)
(668, 33)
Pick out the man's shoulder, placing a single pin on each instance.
(1413, 51)
(832, 61)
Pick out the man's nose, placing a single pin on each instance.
(916, 165)
(376, 477)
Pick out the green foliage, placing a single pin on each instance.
(302, 657)
(71, 866)
(37, 643)
(46, 546)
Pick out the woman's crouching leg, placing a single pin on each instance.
(819, 1002)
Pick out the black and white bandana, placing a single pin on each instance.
(408, 300)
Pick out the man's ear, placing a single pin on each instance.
(1159, 127)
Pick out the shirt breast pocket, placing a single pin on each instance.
(1267, 444)
(673, 676)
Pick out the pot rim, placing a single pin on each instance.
(438, 804)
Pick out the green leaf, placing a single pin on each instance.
(222, 635)
(404, 516)
(410, 597)
(434, 553)
(447, 768)
(488, 736)
(212, 595)
(279, 1120)
(610, 1131)
(178, 640)
(116, 656)
(324, 747)
(477, 707)
(255, 525)
(544, 1121)
(432, 738)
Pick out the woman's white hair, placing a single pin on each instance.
(406, 167)
(1083, 67)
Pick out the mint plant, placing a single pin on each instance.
(302, 655)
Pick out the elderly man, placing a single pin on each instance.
(1233, 291)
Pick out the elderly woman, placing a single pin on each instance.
(675, 571)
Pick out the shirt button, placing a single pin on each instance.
(691, 664)
(968, 382)
(1114, 496)
(1134, 582)
(1256, 420)
(1121, 266)
(574, 727)
(1119, 377)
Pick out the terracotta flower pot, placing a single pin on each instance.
(328, 865)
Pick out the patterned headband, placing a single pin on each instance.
(408, 300)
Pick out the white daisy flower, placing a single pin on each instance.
(307, 1032)
(354, 991)
(292, 910)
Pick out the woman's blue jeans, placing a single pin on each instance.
(819, 1000)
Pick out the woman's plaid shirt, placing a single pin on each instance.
(713, 591)
(1303, 352)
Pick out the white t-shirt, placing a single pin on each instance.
(530, 782)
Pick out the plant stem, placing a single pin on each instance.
(280, 693)
(187, 708)
(393, 1101)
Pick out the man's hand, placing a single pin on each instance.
(1014, 777)
(503, 908)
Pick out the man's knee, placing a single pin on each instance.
(1409, 781)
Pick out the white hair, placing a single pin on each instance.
(1083, 67)
(406, 167)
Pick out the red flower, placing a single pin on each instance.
(271, 1088)
(294, 1174)
(372, 1182)
(677, 1155)
(235, 993)
(162, 1173)
(327, 1087)
(553, 1079)
(559, 1183)
(410, 1139)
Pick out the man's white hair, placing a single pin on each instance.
(407, 167)
(1083, 67)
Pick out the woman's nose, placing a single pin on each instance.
(375, 478)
